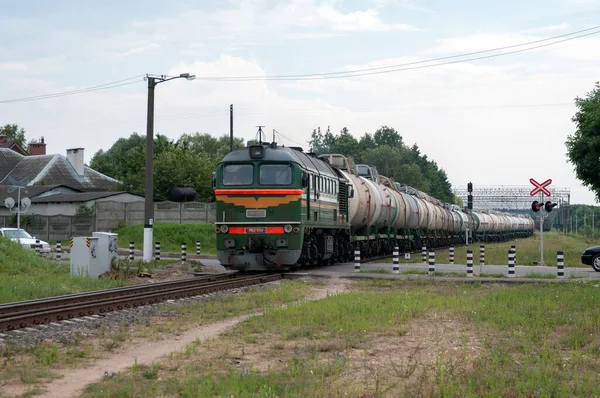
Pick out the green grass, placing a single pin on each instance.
(435, 273)
(535, 340)
(24, 276)
(171, 236)
(375, 271)
(539, 275)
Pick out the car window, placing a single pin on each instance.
(240, 174)
(276, 174)
(14, 233)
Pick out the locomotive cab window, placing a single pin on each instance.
(275, 174)
(238, 174)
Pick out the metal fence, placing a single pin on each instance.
(109, 216)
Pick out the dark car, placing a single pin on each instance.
(591, 256)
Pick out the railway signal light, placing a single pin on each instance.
(549, 206)
(536, 206)
(469, 196)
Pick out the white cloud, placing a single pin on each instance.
(549, 28)
(355, 21)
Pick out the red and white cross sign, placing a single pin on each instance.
(540, 187)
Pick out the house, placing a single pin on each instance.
(52, 200)
(13, 146)
(43, 169)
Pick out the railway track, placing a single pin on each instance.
(24, 314)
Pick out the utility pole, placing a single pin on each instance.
(149, 188)
(231, 128)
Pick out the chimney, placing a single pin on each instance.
(75, 156)
(3, 138)
(37, 148)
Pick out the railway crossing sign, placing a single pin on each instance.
(540, 188)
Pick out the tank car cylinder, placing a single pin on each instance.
(469, 263)
(511, 264)
(396, 254)
(431, 262)
(131, 247)
(560, 264)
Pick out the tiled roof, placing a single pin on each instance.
(74, 197)
(34, 191)
(49, 170)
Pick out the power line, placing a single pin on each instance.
(117, 83)
(410, 65)
(271, 111)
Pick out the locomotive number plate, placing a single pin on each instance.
(256, 230)
(256, 213)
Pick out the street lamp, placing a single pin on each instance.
(149, 195)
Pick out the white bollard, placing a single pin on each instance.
(560, 264)
(431, 262)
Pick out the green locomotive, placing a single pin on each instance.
(278, 207)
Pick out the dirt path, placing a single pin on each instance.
(73, 382)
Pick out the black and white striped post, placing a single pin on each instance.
(424, 254)
(157, 251)
(131, 247)
(356, 260)
(198, 247)
(38, 247)
(481, 254)
(470, 263)
(511, 263)
(451, 255)
(560, 264)
(431, 262)
(396, 268)
(58, 250)
(183, 252)
(514, 249)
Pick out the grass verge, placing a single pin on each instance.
(171, 236)
(24, 276)
(28, 367)
(396, 338)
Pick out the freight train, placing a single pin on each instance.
(279, 208)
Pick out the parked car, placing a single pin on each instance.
(591, 256)
(24, 238)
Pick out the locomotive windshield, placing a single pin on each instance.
(238, 174)
(275, 174)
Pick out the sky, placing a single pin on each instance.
(495, 121)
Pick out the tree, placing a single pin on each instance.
(14, 133)
(583, 146)
(387, 136)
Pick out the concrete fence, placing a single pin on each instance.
(109, 215)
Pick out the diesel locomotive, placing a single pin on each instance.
(279, 208)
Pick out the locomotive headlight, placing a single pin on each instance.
(287, 228)
(224, 228)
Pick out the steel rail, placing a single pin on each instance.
(18, 306)
(106, 304)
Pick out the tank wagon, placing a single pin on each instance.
(279, 208)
